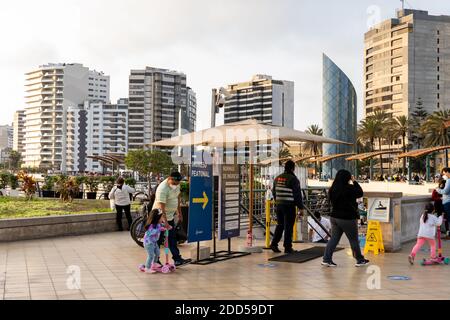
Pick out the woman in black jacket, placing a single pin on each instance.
(344, 217)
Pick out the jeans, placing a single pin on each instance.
(420, 243)
(338, 227)
(446, 215)
(119, 212)
(152, 254)
(173, 243)
(285, 222)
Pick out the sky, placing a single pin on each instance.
(215, 42)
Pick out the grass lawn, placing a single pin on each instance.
(14, 207)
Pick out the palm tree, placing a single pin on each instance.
(435, 130)
(401, 127)
(368, 131)
(313, 148)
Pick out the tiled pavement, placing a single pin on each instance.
(108, 263)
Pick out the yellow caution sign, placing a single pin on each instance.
(374, 238)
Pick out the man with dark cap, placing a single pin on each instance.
(167, 199)
(287, 194)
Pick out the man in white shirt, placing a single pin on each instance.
(316, 233)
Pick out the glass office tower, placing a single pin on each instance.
(338, 116)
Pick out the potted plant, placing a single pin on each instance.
(108, 184)
(92, 183)
(13, 184)
(80, 180)
(28, 184)
(48, 187)
(67, 187)
(4, 179)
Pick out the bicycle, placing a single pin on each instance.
(137, 228)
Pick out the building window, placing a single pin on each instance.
(438, 105)
(438, 77)
(438, 87)
(437, 59)
(438, 69)
(438, 50)
(438, 96)
(438, 40)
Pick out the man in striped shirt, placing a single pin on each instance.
(288, 196)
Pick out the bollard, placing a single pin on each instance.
(295, 233)
(267, 224)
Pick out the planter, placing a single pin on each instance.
(106, 195)
(57, 195)
(57, 226)
(48, 194)
(91, 195)
(79, 195)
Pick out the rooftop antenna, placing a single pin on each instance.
(403, 4)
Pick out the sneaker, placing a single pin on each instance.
(275, 249)
(181, 262)
(362, 263)
(411, 260)
(329, 264)
(290, 250)
(142, 268)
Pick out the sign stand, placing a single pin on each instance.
(217, 256)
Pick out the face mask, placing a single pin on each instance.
(445, 178)
(173, 187)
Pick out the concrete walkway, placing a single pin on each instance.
(107, 265)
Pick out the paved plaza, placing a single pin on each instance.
(38, 269)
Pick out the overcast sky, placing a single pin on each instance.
(215, 42)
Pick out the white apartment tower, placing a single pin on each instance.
(53, 94)
(18, 131)
(156, 97)
(106, 132)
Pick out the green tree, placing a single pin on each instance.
(314, 148)
(400, 126)
(417, 119)
(434, 129)
(149, 163)
(15, 160)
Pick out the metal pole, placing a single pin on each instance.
(267, 224)
(409, 169)
(428, 168)
(371, 169)
(250, 207)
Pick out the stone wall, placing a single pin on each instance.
(57, 226)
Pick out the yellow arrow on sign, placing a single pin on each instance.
(203, 200)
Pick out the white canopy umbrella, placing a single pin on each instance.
(240, 133)
(243, 132)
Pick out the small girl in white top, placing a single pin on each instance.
(427, 232)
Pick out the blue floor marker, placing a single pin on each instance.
(399, 278)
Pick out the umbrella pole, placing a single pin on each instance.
(250, 207)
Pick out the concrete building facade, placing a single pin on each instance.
(407, 59)
(18, 131)
(156, 97)
(262, 98)
(53, 94)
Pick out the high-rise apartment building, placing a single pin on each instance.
(106, 131)
(5, 137)
(18, 131)
(407, 59)
(156, 97)
(53, 94)
(262, 98)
